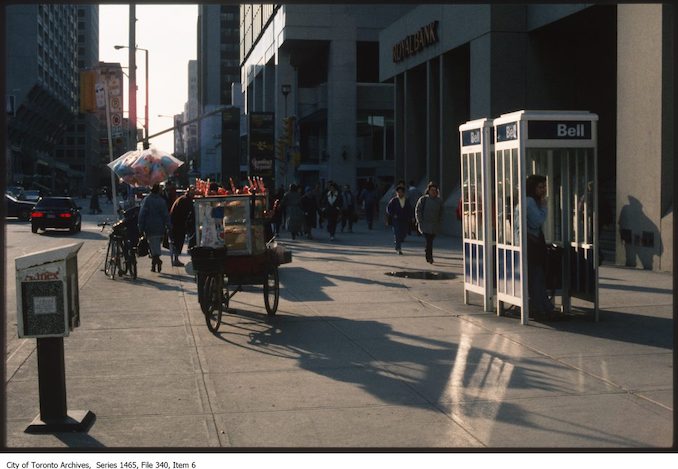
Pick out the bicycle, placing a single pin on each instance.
(120, 252)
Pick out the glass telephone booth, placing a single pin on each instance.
(476, 197)
(562, 147)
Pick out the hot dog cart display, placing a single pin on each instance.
(232, 251)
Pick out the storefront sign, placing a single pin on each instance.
(507, 132)
(415, 43)
(559, 130)
(470, 137)
(261, 143)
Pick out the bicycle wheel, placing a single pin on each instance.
(215, 284)
(132, 264)
(122, 258)
(271, 291)
(107, 260)
(112, 259)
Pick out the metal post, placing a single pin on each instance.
(110, 150)
(146, 110)
(132, 74)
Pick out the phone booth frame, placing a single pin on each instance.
(475, 140)
(560, 145)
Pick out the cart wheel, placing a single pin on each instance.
(214, 301)
(271, 291)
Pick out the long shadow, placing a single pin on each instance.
(405, 369)
(623, 327)
(79, 440)
(636, 288)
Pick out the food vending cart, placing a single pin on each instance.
(232, 251)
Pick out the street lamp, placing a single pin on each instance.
(146, 110)
(285, 89)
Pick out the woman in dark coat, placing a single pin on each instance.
(291, 203)
(309, 206)
(400, 211)
(332, 209)
(179, 215)
(154, 220)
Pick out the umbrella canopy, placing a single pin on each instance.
(145, 167)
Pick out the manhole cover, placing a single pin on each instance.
(422, 275)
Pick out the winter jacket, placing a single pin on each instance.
(154, 216)
(429, 214)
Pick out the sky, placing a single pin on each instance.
(169, 33)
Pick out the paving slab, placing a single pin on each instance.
(361, 427)
(593, 421)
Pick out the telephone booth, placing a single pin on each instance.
(562, 147)
(476, 199)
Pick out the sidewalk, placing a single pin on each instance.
(357, 358)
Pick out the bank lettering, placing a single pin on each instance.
(415, 43)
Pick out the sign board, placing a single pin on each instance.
(506, 132)
(116, 119)
(116, 104)
(471, 137)
(114, 86)
(100, 94)
(558, 130)
(261, 143)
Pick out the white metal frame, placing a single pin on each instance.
(478, 238)
(568, 199)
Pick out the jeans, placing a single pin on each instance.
(429, 246)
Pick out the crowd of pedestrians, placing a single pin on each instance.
(300, 210)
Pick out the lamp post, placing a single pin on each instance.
(285, 89)
(146, 134)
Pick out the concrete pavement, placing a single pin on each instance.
(357, 358)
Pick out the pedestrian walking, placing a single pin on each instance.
(179, 218)
(276, 217)
(368, 198)
(429, 215)
(320, 195)
(399, 213)
(308, 205)
(291, 203)
(332, 209)
(413, 196)
(347, 209)
(169, 193)
(536, 213)
(94, 207)
(154, 221)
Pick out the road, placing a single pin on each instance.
(20, 241)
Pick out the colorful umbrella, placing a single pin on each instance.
(145, 167)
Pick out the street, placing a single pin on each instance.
(20, 241)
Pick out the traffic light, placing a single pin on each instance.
(146, 145)
(288, 130)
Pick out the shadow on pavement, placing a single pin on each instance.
(458, 376)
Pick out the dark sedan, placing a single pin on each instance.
(56, 212)
(18, 208)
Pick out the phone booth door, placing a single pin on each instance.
(476, 199)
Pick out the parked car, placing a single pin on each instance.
(32, 195)
(16, 191)
(56, 212)
(18, 208)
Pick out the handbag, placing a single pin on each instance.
(142, 247)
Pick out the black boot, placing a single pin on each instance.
(159, 262)
(153, 263)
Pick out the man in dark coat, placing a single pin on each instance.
(180, 215)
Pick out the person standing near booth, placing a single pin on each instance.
(179, 216)
(536, 213)
(399, 212)
(429, 214)
(154, 221)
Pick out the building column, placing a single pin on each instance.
(644, 138)
(342, 98)
(415, 123)
(433, 169)
(399, 126)
(284, 74)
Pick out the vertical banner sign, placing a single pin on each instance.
(261, 144)
(230, 145)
